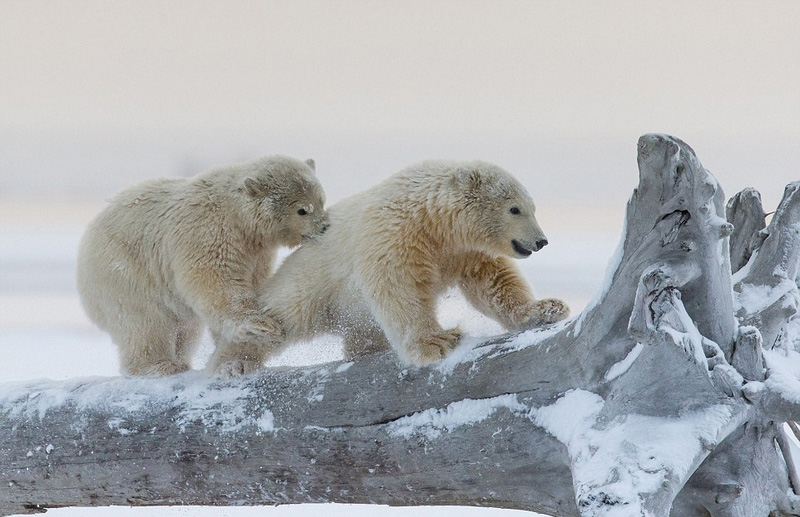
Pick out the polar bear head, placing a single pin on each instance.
(499, 211)
(284, 195)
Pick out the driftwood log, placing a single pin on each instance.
(668, 395)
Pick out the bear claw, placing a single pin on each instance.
(260, 326)
(547, 311)
(436, 347)
(236, 368)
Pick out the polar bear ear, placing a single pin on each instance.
(311, 164)
(255, 188)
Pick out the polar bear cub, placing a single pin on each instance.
(168, 256)
(374, 278)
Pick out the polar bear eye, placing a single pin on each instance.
(302, 211)
(514, 210)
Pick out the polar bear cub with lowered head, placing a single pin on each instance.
(374, 278)
(169, 255)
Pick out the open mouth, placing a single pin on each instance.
(520, 249)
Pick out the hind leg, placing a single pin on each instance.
(122, 297)
(364, 339)
(188, 339)
(147, 342)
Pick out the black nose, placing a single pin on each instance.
(541, 243)
(324, 228)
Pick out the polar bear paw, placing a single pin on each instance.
(236, 359)
(236, 368)
(259, 326)
(435, 347)
(547, 311)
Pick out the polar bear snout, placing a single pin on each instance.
(322, 226)
(525, 249)
(318, 230)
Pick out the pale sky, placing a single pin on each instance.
(95, 95)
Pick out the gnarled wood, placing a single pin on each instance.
(654, 401)
(745, 212)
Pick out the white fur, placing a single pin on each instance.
(391, 250)
(169, 255)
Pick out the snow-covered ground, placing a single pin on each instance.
(44, 333)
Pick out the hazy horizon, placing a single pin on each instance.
(95, 96)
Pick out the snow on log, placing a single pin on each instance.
(664, 397)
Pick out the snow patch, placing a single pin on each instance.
(689, 338)
(116, 424)
(742, 273)
(194, 397)
(343, 367)
(784, 373)
(575, 410)
(316, 428)
(635, 455)
(222, 407)
(754, 298)
(321, 376)
(266, 423)
(630, 456)
(431, 423)
(621, 367)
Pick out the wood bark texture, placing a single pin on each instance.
(668, 395)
